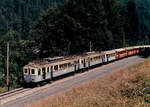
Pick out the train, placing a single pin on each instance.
(47, 69)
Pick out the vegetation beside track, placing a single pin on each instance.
(126, 87)
(2, 90)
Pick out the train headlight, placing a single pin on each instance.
(24, 76)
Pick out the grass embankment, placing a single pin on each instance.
(2, 90)
(124, 88)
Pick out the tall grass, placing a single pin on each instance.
(2, 90)
(124, 88)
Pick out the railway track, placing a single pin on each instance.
(12, 93)
(22, 96)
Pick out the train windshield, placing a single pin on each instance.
(25, 71)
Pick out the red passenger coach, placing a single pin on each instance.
(133, 51)
(121, 53)
(130, 52)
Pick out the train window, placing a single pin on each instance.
(111, 55)
(69, 64)
(47, 69)
(91, 59)
(82, 61)
(43, 69)
(60, 66)
(25, 71)
(64, 65)
(33, 71)
(39, 72)
(56, 67)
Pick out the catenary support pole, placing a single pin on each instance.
(8, 66)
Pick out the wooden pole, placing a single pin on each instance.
(8, 66)
(90, 46)
(124, 39)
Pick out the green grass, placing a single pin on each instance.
(2, 90)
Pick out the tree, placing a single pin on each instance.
(114, 19)
(81, 22)
(146, 40)
(133, 33)
(18, 57)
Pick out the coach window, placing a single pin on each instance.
(69, 64)
(47, 69)
(33, 71)
(82, 62)
(25, 71)
(60, 67)
(91, 59)
(78, 61)
(56, 68)
(64, 66)
(39, 72)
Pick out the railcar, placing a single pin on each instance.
(133, 50)
(95, 58)
(110, 55)
(38, 71)
(121, 53)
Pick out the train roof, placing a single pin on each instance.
(120, 49)
(109, 52)
(48, 61)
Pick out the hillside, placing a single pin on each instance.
(19, 15)
(143, 11)
(39, 29)
(124, 88)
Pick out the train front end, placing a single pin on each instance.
(29, 75)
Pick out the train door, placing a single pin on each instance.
(107, 56)
(78, 64)
(127, 52)
(117, 55)
(44, 73)
(103, 58)
(89, 62)
(75, 66)
(51, 72)
(84, 63)
(29, 74)
(29, 71)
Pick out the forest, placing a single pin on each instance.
(38, 29)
